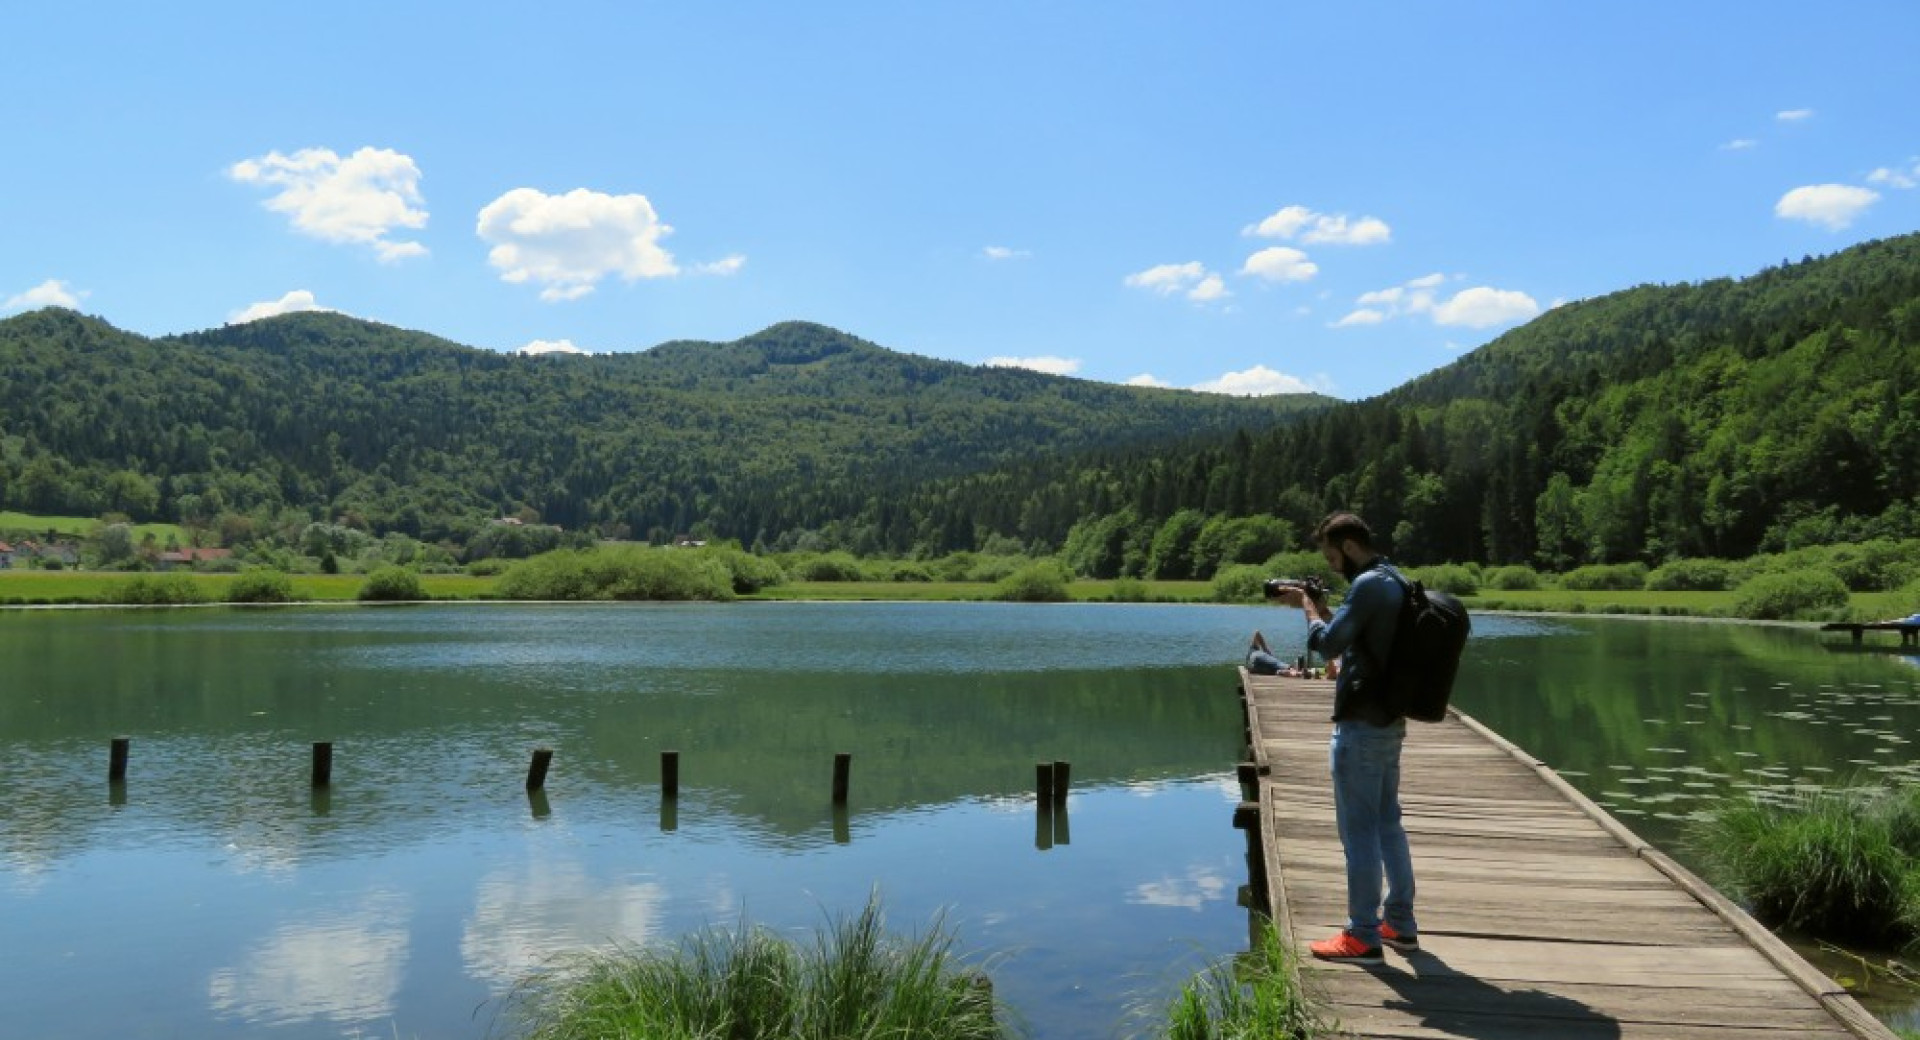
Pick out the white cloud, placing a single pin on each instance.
(51, 293)
(1363, 316)
(1897, 177)
(1149, 379)
(1794, 115)
(361, 199)
(1191, 279)
(551, 346)
(1414, 296)
(1258, 381)
(1383, 297)
(1428, 281)
(1004, 253)
(297, 300)
(1740, 144)
(1280, 264)
(1832, 206)
(725, 267)
(1321, 228)
(1053, 366)
(1482, 307)
(568, 243)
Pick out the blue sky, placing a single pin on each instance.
(1245, 197)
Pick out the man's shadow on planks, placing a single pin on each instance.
(1450, 1001)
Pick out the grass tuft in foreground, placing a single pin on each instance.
(854, 981)
(1838, 864)
(1257, 995)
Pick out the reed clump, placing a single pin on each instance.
(1842, 864)
(1256, 996)
(854, 980)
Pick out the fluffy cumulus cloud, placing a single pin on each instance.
(1483, 308)
(725, 267)
(1832, 206)
(1191, 279)
(1321, 228)
(297, 300)
(551, 346)
(361, 199)
(1053, 366)
(1903, 177)
(1280, 264)
(1258, 381)
(1149, 379)
(51, 293)
(567, 244)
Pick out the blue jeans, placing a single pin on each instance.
(1366, 807)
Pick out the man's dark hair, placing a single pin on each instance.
(1338, 527)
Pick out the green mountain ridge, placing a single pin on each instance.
(328, 416)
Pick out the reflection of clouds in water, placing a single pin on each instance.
(1203, 884)
(522, 919)
(345, 967)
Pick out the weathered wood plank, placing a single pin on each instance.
(1541, 915)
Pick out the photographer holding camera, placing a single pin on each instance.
(1367, 737)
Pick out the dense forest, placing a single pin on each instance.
(256, 430)
(1714, 419)
(1711, 420)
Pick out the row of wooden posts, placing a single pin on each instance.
(1051, 779)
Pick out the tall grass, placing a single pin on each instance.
(1839, 864)
(1254, 997)
(854, 981)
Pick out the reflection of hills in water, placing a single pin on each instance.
(433, 720)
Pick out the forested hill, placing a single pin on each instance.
(330, 416)
(1711, 419)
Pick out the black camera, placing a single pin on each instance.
(1313, 587)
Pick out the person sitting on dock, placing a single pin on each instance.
(1365, 750)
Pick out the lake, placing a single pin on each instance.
(217, 894)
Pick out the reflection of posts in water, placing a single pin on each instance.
(117, 759)
(320, 800)
(537, 769)
(1043, 826)
(669, 815)
(322, 763)
(537, 803)
(1061, 834)
(842, 831)
(117, 793)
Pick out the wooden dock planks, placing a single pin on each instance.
(1541, 916)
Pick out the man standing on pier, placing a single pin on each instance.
(1365, 750)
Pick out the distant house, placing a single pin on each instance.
(6, 556)
(188, 557)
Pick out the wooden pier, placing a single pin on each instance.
(1909, 632)
(1540, 914)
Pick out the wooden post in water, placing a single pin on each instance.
(1249, 776)
(669, 774)
(1061, 774)
(842, 764)
(322, 763)
(537, 770)
(1043, 784)
(1246, 817)
(117, 760)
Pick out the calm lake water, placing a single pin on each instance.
(216, 894)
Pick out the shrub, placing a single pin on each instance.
(833, 566)
(1448, 577)
(260, 587)
(906, 570)
(1041, 582)
(1240, 583)
(1129, 590)
(748, 573)
(492, 566)
(997, 568)
(853, 981)
(1303, 565)
(1513, 579)
(1701, 575)
(1606, 577)
(1792, 595)
(1839, 864)
(154, 590)
(391, 584)
(629, 572)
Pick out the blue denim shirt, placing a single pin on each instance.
(1361, 632)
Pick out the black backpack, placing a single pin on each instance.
(1425, 655)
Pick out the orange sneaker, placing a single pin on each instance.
(1400, 943)
(1346, 949)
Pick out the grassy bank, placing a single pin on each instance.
(1257, 995)
(23, 587)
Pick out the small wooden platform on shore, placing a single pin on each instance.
(1909, 632)
(1540, 914)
